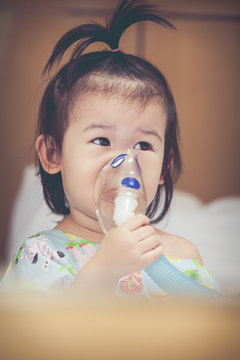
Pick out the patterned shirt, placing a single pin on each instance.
(50, 260)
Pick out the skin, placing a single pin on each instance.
(99, 129)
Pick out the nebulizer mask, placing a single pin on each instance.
(120, 194)
(119, 191)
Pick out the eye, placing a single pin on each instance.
(143, 145)
(101, 141)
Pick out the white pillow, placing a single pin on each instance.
(30, 214)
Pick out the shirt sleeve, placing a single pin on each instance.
(38, 266)
(197, 271)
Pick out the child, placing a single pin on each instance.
(98, 105)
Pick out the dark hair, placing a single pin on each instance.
(106, 72)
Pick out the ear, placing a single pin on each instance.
(48, 154)
(161, 180)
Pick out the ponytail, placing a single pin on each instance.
(127, 13)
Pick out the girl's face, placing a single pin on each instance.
(100, 128)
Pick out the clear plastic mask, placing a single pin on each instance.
(119, 191)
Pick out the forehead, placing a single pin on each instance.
(94, 111)
(130, 92)
(110, 99)
(95, 102)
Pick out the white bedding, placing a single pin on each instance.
(214, 228)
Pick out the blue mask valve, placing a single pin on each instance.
(131, 183)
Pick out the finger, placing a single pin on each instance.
(153, 255)
(150, 243)
(144, 231)
(135, 222)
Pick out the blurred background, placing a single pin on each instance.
(200, 60)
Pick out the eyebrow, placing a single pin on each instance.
(151, 132)
(96, 126)
(101, 126)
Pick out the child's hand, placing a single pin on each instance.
(131, 247)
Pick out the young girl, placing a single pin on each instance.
(97, 106)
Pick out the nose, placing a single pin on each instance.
(120, 158)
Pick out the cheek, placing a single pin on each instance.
(151, 185)
(151, 172)
(80, 170)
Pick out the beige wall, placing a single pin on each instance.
(200, 60)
